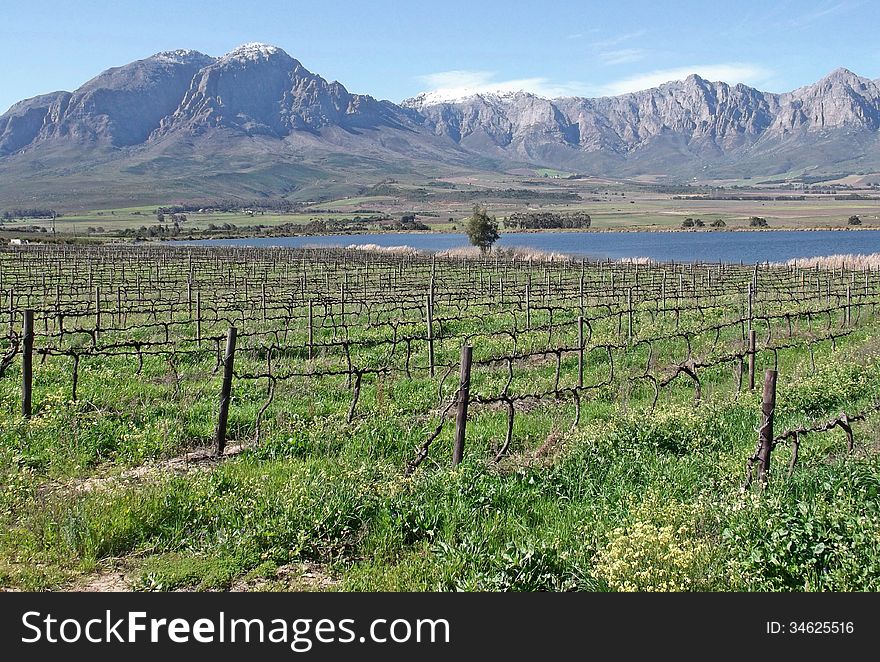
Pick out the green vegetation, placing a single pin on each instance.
(548, 221)
(550, 172)
(630, 489)
(482, 231)
(444, 205)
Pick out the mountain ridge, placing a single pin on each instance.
(255, 121)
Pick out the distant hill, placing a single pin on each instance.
(256, 123)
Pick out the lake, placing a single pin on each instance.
(747, 247)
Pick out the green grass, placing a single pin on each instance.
(635, 497)
(550, 172)
(613, 205)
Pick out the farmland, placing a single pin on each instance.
(609, 413)
(442, 205)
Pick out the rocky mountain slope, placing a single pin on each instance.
(255, 122)
(682, 127)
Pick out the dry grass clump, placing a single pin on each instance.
(636, 260)
(850, 261)
(510, 253)
(390, 250)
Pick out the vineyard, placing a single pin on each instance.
(336, 419)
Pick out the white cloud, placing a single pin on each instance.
(732, 72)
(622, 56)
(463, 83)
(823, 10)
(610, 42)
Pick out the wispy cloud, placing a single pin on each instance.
(824, 10)
(457, 84)
(610, 52)
(731, 72)
(582, 34)
(462, 83)
(611, 42)
(622, 56)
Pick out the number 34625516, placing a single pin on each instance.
(811, 627)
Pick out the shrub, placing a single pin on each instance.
(482, 230)
(647, 557)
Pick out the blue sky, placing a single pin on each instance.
(394, 50)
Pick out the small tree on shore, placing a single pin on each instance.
(481, 229)
(854, 220)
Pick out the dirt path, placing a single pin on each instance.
(291, 577)
(200, 459)
(105, 582)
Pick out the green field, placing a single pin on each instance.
(607, 455)
(623, 205)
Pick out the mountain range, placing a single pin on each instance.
(256, 123)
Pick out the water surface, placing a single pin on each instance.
(747, 247)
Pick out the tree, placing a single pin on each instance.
(718, 223)
(854, 220)
(481, 230)
(757, 222)
(687, 223)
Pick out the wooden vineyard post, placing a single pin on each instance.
(528, 306)
(580, 352)
(581, 288)
(464, 387)
(342, 304)
(225, 392)
(311, 337)
(848, 316)
(629, 306)
(751, 304)
(765, 432)
(199, 317)
(430, 324)
(27, 363)
(663, 291)
(97, 311)
(751, 359)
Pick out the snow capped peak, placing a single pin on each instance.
(460, 95)
(180, 56)
(253, 51)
